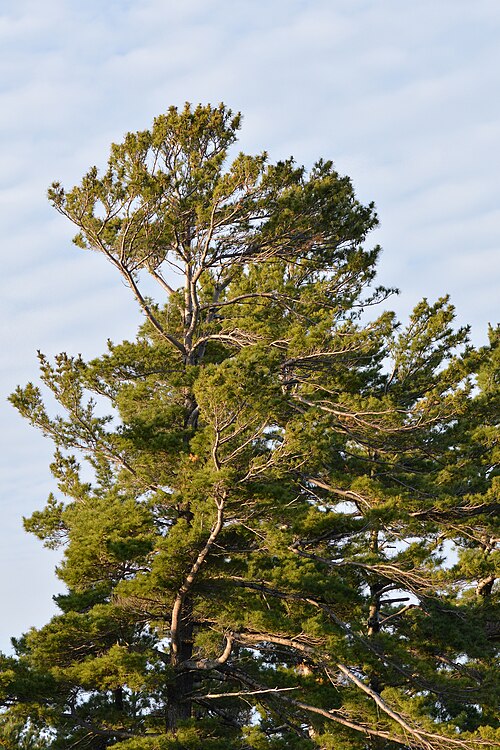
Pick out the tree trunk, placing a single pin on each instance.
(118, 699)
(179, 705)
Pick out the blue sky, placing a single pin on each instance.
(403, 96)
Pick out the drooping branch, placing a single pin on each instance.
(417, 734)
(412, 738)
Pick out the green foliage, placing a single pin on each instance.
(283, 535)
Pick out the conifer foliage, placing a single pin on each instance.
(287, 536)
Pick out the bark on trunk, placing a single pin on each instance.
(179, 705)
(118, 699)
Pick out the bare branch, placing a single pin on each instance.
(249, 692)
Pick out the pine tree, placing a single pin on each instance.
(286, 538)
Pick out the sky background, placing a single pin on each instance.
(403, 96)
